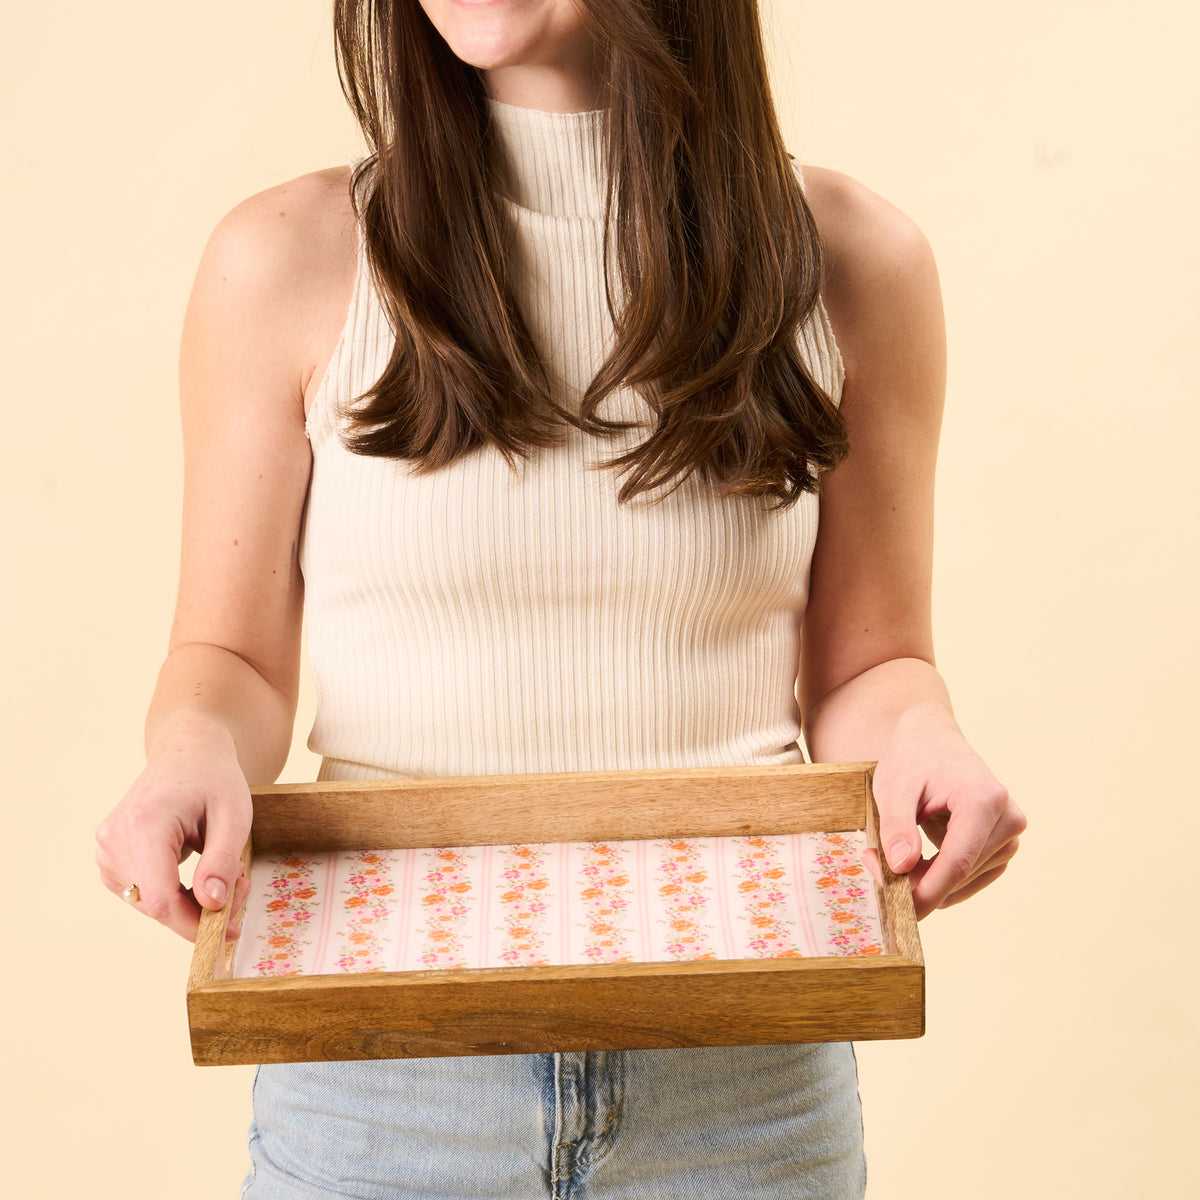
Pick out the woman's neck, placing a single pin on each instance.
(559, 87)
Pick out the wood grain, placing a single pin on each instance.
(895, 897)
(501, 810)
(213, 955)
(543, 1009)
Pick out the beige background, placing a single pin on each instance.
(1047, 149)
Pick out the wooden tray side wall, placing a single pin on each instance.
(498, 810)
(213, 956)
(896, 911)
(539, 1010)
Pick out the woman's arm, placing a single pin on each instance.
(869, 688)
(221, 717)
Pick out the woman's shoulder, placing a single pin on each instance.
(285, 257)
(291, 234)
(862, 234)
(879, 265)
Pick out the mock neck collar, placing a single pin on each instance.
(556, 161)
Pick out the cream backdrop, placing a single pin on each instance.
(1047, 148)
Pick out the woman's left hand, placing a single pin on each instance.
(929, 778)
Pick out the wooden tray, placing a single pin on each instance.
(523, 1010)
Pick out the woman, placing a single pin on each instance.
(541, 515)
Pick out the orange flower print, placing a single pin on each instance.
(366, 908)
(612, 888)
(605, 901)
(284, 939)
(447, 877)
(847, 903)
(526, 913)
(766, 911)
(687, 911)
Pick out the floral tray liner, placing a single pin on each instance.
(449, 908)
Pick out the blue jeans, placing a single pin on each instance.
(724, 1123)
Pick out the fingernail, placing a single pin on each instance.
(898, 851)
(216, 889)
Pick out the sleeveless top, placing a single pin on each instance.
(486, 620)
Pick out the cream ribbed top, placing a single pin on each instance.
(484, 621)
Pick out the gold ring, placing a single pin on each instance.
(132, 894)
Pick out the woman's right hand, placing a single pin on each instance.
(192, 797)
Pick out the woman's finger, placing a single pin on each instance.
(896, 800)
(980, 835)
(154, 845)
(226, 829)
(997, 844)
(967, 834)
(976, 885)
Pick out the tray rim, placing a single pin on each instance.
(210, 987)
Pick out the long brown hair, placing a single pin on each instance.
(718, 252)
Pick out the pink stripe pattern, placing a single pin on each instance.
(367, 903)
(603, 882)
(287, 912)
(444, 895)
(455, 908)
(686, 893)
(525, 905)
(767, 913)
(845, 901)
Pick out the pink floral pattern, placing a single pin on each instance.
(288, 913)
(766, 909)
(367, 904)
(686, 895)
(603, 884)
(847, 898)
(450, 908)
(525, 905)
(443, 900)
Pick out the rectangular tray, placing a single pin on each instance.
(537, 1009)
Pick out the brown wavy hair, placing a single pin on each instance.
(718, 253)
